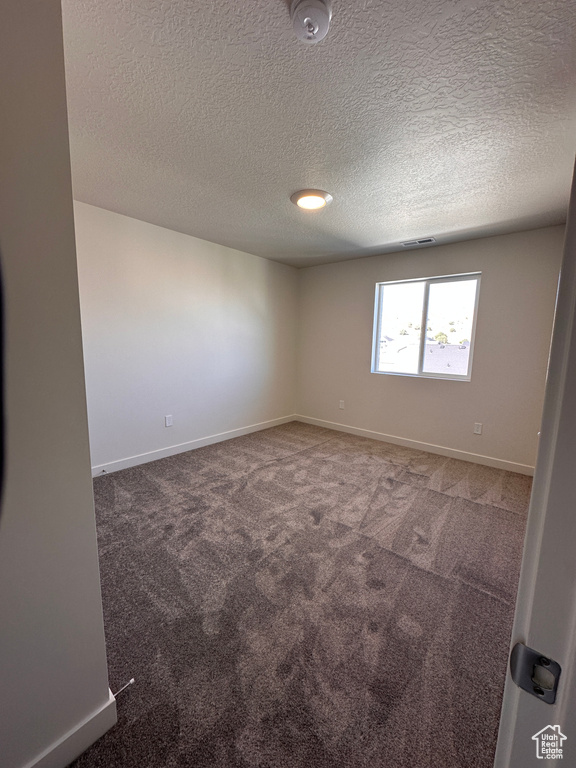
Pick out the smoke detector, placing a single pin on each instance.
(310, 19)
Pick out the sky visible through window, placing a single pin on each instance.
(448, 327)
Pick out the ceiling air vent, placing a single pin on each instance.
(423, 241)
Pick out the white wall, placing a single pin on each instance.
(519, 281)
(176, 325)
(54, 698)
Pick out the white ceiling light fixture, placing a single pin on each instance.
(310, 19)
(311, 199)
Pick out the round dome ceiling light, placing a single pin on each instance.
(310, 19)
(311, 199)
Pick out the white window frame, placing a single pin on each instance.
(423, 325)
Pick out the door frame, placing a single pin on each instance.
(545, 617)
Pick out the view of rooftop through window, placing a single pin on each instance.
(426, 327)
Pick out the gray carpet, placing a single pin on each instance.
(303, 598)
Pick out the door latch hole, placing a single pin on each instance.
(535, 673)
(542, 678)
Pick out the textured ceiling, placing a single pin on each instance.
(450, 118)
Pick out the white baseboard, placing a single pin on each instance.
(71, 745)
(161, 453)
(453, 453)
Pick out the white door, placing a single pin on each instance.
(546, 608)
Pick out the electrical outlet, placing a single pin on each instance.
(341, 406)
(477, 428)
(168, 421)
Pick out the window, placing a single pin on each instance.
(426, 327)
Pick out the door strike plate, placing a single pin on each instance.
(535, 673)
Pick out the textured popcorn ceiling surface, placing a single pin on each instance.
(450, 118)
